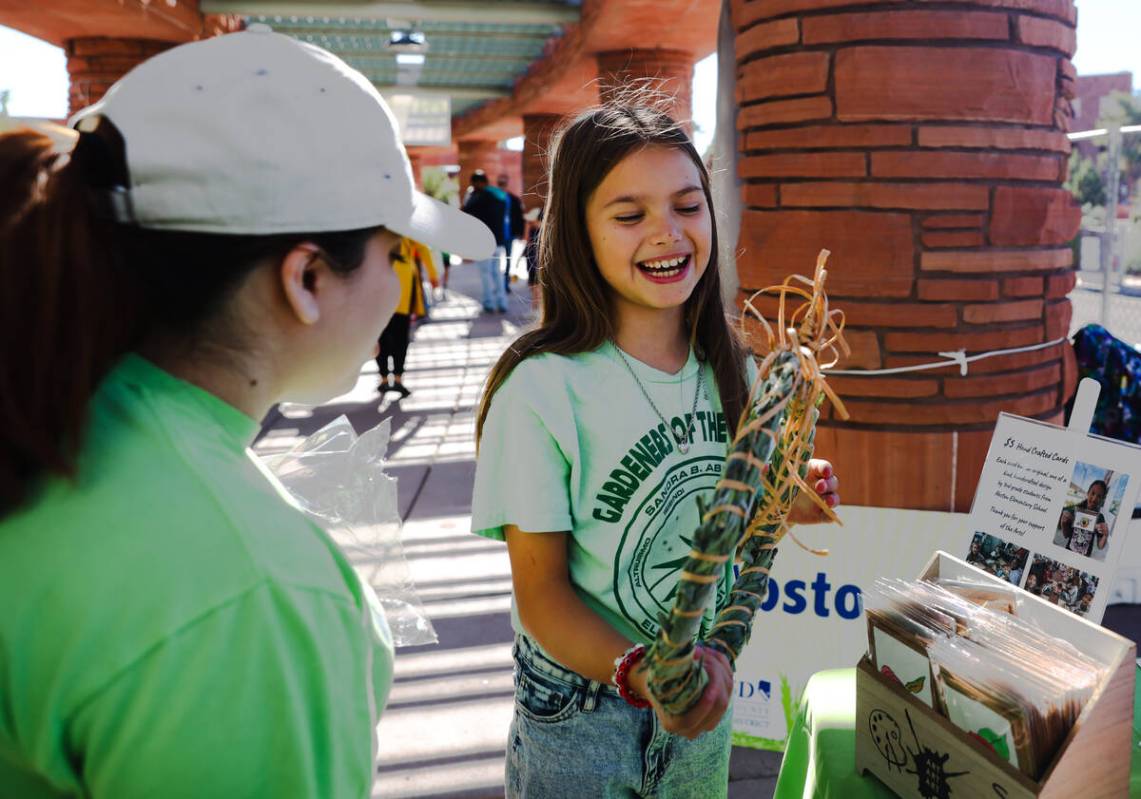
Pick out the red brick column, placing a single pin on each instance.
(94, 64)
(478, 154)
(926, 148)
(417, 161)
(511, 165)
(669, 72)
(537, 130)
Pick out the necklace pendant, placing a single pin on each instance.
(683, 447)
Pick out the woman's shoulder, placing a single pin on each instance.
(144, 505)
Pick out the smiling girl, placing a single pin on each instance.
(598, 432)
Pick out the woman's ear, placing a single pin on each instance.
(302, 273)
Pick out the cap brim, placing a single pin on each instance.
(445, 228)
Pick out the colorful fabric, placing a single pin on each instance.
(571, 444)
(1117, 367)
(171, 626)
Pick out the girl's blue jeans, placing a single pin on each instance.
(572, 737)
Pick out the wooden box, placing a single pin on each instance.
(918, 753)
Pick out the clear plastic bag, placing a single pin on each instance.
(1002, 599)
(338, 479)
(1013, 686)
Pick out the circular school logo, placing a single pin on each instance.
(651, 553)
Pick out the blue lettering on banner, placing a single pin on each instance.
(794, 590)
(848, 600)
(755, 689)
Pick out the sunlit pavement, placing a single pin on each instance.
(444, 730)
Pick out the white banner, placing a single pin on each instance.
(813, 619)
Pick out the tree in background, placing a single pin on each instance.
(1124, 110)
(438, 185)
(1085, 181)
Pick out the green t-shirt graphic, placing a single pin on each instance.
(571, 444)
(171, 626)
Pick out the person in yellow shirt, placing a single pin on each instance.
(411, 259)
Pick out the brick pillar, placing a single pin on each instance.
(537, 130)
(669, 72)
(930, 163)
(416, 159)
(478, 154)
(511, 165)
(97, 62)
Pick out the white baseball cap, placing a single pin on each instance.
(257, 133)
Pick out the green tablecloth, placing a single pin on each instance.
(820, 757)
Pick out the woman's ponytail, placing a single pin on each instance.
(79, 290)
(68, 311)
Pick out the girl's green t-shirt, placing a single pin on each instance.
(571, 444)
(171, 626)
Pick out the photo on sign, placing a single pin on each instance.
(1093, 503)
(1062, 585)
(1001, 558)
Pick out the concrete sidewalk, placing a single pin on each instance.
(444, 730)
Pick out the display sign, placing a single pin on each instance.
(1051, 512)
(422, 120)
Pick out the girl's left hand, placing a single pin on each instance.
(822, 479)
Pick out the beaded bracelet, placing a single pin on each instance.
(621, 678)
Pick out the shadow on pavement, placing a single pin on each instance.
(444, 728)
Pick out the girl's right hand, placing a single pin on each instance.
(710, 708)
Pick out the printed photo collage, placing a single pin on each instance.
(1062, 572)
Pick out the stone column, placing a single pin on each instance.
(417, 161)
(511, 165)
(926, 149)
(668, 72)
(95, 63)
(478, 154)
(537, 130)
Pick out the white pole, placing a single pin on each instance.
(1109, 238)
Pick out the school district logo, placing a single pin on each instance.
(649, 557)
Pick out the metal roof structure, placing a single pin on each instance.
(473, 52)
(471, 70)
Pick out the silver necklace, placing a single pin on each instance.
(682, 441)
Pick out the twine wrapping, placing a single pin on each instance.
(762, 476)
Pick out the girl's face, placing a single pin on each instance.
(650, 229)
(355, 309)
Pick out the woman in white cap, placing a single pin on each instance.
(218, 240)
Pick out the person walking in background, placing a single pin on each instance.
(516, 227)
(394, 340)
(487, 206)
(426, 272)
(169, 625)
(531, 256)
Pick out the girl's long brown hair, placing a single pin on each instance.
(576, 306)
(80, 291)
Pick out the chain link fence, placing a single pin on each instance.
(1105, 172)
